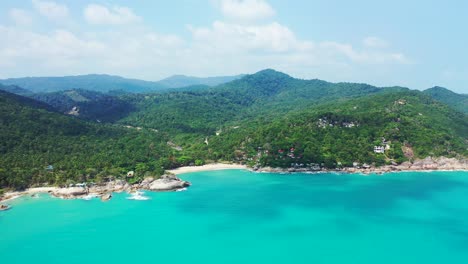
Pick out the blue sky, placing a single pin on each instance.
(418, 44)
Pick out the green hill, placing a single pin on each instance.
(346, 132)
(267, 94)
(457, 101)
(94, 82)
(32, 138)
(14, 89)
(86, 104)
(265, 119)
(108, 83)
(177, 81)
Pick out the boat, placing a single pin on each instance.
(181, 189)
(138, 196)
(4, 207)
(35, 195)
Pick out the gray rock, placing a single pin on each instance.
(106, 197)
(69, 193)
(146, 182)
(167, 183)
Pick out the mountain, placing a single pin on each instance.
(266, 119)
(256, 111)
(457, 101)
(114, 84)
(409, 125)
(177, 81)
(14, 89)
(94, 82)
(267, 94)
(86, 104)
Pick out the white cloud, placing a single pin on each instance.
(98, 14)
(225, 37)
(276, 39)
(20, 17)
(374, 42)
(246, 10)
(50, 9)
(364, 56)
(225, 47)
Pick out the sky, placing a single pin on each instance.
(416, 44)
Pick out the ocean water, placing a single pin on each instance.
(238, 216)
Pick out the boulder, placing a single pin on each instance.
(167, 182)
(106, 197)
(71, 192)
(147, 180)
(145, 183)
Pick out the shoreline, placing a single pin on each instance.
(208, 167)
(170, 182)
(165, 183)
(30, 191)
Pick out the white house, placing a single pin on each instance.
(379, 149)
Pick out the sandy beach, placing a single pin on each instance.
(13, 195)
(208, 167)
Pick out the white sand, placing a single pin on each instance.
(13, 195)
(208, 167)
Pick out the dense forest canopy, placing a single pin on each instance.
(264, 119)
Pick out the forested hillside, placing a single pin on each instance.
(454, 100)
(266, 93)
(341, 133)
(32, 138)
(14, 89)
(264, 119)
(88, 105)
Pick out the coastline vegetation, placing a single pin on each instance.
(265, 119)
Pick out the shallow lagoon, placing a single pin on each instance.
(237, 216)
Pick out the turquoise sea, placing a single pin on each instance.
(238, 216)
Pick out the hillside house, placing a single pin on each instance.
(379, 149)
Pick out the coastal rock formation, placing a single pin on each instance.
(428, 163)
(146, 182)
(106, 197)
(118, 186)
(167, 182)
(70, 193)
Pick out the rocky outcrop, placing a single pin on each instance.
(428, 163)
(106, 197)
(118, 186)
(167, 182)
(70, 193)
(440, 163)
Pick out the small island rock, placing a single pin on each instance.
(167, 182)
(106, 197)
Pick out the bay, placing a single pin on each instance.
(236, 216)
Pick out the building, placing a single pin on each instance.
(379, 149)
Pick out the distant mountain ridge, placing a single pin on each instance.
(93, 82)
(14, 89)
(177, 81)
(107, 83)
(444, 95)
